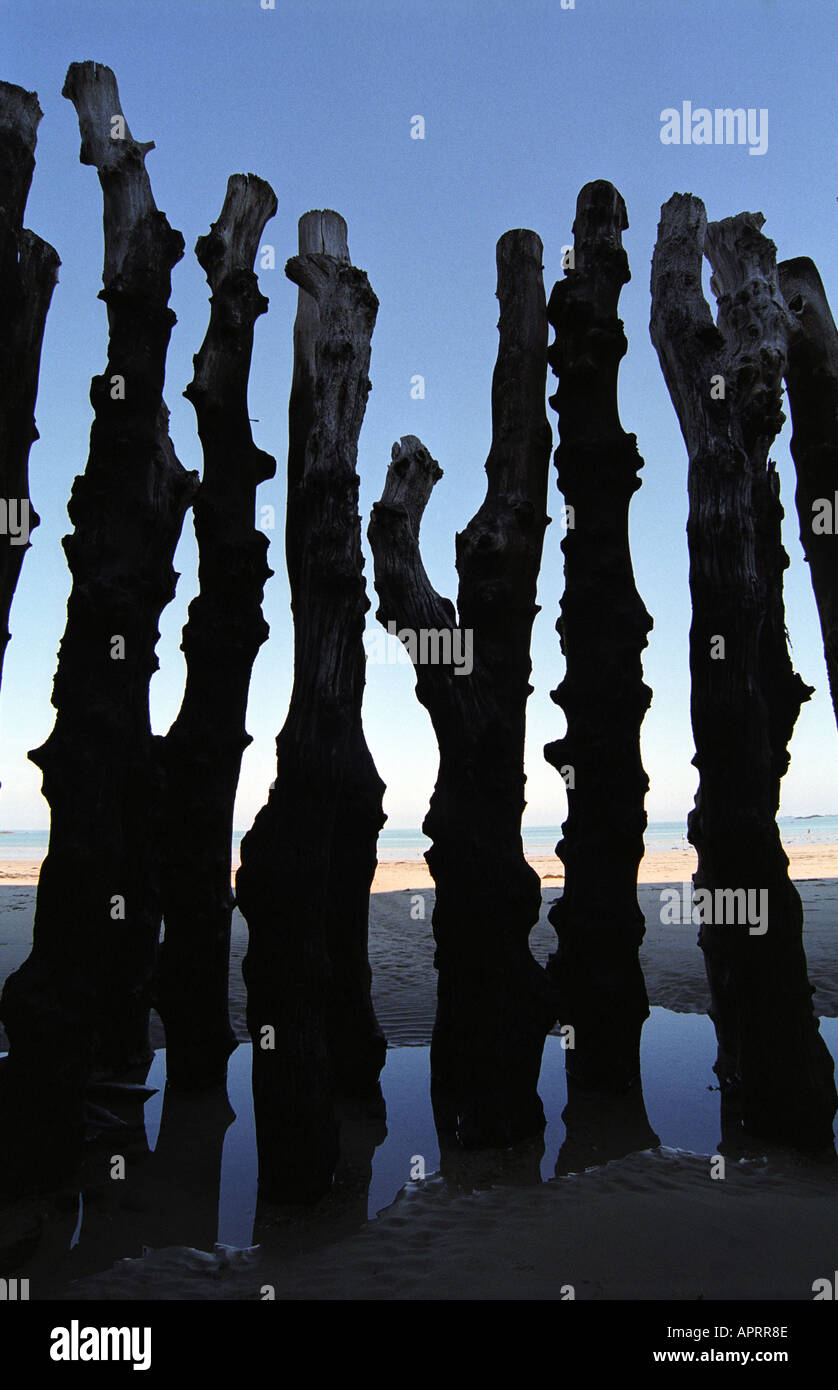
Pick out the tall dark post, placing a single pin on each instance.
(495, 1004)
(80, 1002)
(202, 752)
(308, 861)
(28, 274)
(602, 628)
(812, 382)
(775, 1072)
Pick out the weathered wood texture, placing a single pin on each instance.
(202, 752)
(603, 630)
(308, 861)
(812, 382)
(80, 1002)
(725, 380)
(495, 1004)
(28, 274)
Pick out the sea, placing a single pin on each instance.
(395, 843)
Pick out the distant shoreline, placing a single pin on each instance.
(403, 868)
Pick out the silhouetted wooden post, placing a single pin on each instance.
(308, 861)
(28, 274)
(81, 1000)
(202, 752)
(602, 628)
(725, 382)
(495, 1003)
(812, 382)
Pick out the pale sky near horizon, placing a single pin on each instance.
(523, 103)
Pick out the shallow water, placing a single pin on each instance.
(679, 1088)
(396, 842)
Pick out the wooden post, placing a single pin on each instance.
(775, 1072)
(80, 1002)
(602, 628)
(812, 382)
(202, 752)
(28, 274)
(495, 1003)
(308, 861)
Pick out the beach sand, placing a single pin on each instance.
(657, 866)
(650, 1226)
(401, 945)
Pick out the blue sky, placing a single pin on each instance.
(523, 102)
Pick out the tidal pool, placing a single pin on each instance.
(679, 1088)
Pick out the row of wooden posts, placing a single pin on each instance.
(141, 825)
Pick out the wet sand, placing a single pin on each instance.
(650, 1226)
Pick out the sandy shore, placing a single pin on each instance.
(401, 949)
(816, 861)
(401, 945)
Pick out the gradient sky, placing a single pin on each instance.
(524, 102)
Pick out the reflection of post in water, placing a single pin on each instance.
(132, 1197)
(362, 1128)
(469, 1170)
(181, 1185)
(86, 1224)
(737, 1142)
(601, 1126)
